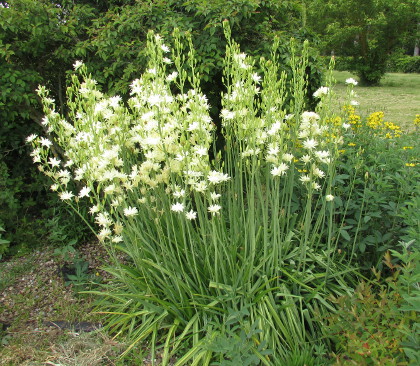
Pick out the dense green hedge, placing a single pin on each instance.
(404, 63)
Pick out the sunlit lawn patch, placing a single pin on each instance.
(398, 96)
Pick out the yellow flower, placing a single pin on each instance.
(352, 118)
(351, 144)
(375, 120)
(387, 130)
(407, 147)
(410, 164)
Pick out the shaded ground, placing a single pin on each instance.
(45, 321)
(40, 314)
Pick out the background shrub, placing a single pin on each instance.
(403, 63)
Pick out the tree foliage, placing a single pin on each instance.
(368, 31)
(37, 39)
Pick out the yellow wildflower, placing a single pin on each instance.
(417, 120)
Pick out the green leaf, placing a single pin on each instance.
(345, 234)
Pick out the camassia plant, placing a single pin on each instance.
(238, 240)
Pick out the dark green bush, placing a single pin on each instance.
(404, 63)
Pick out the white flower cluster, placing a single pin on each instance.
(322, 91)
(123, 155)
(315, 153)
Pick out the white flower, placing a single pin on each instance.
(239, 56)
(275, 127)
(305, 178)
(323, 90)
(45, 142)
(117, 239)
(322, 155)
(69, 163)
(94, 209)
(102, 219)
(318, 172)
(66, 196)
(116, 202)
(177, 207)
(142, 200)
(279, 170)
(200, 186)
(310, 144)
(329, 197)
(316, 186)
(351, 81)
(214, 195)
(287, 157)
(77, 65)
(130, 211)
(84, 192)
(201, 150)
(45, 121)
(310, 117)
(346, 126)
(110, 189)
(172, 77)
(191, 215)
(179, 194)
(54, 187)
(167, 60)
(306, 159)
(118, 228)
(214, 209)
(104, 234)
(304, 134)
(30, 138)
(216, 177)
(164, 48)
(155, 99)
(193, 126)
(274, 150)
(354, 102)
(226, 114)
(256, 78)
(114, 102)
(36, 158)
(54, 162)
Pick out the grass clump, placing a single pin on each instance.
(236, 250)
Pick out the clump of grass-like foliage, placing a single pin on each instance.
(223, 246)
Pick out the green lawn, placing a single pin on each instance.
(398, 96)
